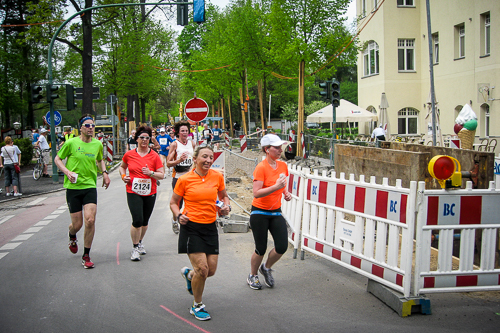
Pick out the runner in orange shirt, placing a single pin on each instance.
(201, 189)
(269, 184)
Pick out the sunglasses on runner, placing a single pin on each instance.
(89, 125)
(144, 137)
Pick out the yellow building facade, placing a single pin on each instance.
(395, 59)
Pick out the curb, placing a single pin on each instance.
(52, 191)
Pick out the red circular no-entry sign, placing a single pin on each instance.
(196, 109)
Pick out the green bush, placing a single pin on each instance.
(26, 149)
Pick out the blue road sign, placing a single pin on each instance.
(57, 118)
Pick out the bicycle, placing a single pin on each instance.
(38, 168)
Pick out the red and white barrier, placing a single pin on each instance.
(109, 149)
(292, 210)
(381, 216)
(472, 216)
(227, 141)
(290, 138)
(202, 142)
(455, 143)
(243, 143)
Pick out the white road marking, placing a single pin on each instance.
(3, 254)
(6, 218)
(37, 201)
(42, 223)
(9, 246)
(21, 238)
(33, 229)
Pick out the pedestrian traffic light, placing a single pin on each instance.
(335, 91)
(199, 11)
(182, 13)
(70, 97)
(325, 92)
(36, 93)
(446, 170)
(52, 92)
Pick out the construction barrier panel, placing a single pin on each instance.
(292, 210)
(243, 143)
(365, 227)
(473, 218)
(109, 151)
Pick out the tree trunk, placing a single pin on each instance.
(87, 60)
(143, 110)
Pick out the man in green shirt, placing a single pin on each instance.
(85, 157)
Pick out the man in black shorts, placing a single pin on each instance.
(85, 157)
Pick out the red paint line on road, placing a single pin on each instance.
(117, 253)
(185, 320)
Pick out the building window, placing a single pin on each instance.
(406, 3)
(363, 8)
(435, 43)
(371, 59)
(407, 121)
(406, 55)
(375, 4)
(460, 41)
(485, 34)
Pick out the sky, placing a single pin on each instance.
(351, 11)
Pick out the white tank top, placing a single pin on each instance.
(183, 167)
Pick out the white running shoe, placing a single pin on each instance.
(135, 255)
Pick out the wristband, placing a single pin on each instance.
(105, 172)
(178, 217)
(123, 176)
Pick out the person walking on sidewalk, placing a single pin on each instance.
(85, 156)
(11, 155)
(269, 184)
(144, 169)
(200, 188)
(180, 157)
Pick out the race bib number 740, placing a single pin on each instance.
(142, 186)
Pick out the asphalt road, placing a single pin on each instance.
(44, 288)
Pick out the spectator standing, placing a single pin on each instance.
(200, 189)
(11, 155)
(132, 144)
(36, 135)
(145, 168)
(378, 133)
(85, 157)
(269, 184)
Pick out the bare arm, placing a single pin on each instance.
(259, 191)
(176, 210)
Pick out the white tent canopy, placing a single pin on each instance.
(345, 112)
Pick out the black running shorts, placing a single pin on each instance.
(198, 237)
(76, 199)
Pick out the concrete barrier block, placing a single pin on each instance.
(403, 306)
(235, 226)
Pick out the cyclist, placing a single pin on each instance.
(44, 146)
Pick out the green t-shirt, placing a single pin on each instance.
(82, 159)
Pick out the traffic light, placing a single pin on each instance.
(325, 92)
(36, 93)
(70, 97)
(335, 91)
(199, 11)
(446, 170)
(52, 92)
(182, 13)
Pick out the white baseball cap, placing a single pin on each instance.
(271, 140)
(162, 129)
(43, 130)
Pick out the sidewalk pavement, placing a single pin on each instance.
(31, 187)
